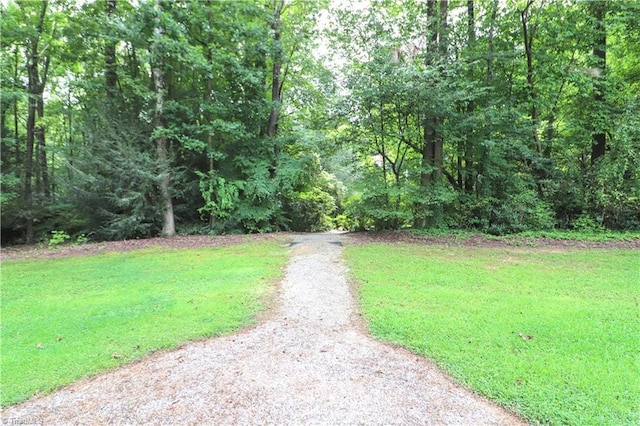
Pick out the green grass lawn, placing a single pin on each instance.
(554, 336)
(66, 318)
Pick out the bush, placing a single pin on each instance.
(520, 212)
(312, 211)
(58, 238)
(586, 223)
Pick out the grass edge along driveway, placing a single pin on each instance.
(554, 336)
(67, 318)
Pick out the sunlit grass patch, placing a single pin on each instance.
(66, 318)
(555, 336)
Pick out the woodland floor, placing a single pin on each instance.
(309, 361)
(196, 241)
(483, 241)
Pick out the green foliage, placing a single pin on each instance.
(57, 238)
(378, 205)
(219, 195)
(10, 191)
(312, 211)
(597, 234)
(216, 60)
(501, 179)
(615, 188)
(64, 319)
(589, 234)
(586, 223)
(521, 212)
(552, 336)
(118, 198)
(424, 125)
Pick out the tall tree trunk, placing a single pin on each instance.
(16, 132)
(432, 153)
(599, 11)
(528, 32)
(4, 136)
(70, 144)
(426, 176)
(433, 144)
(276, 92)
(208, 120)
(465, 180)
(276, 84)
(3, 124)
(45, 184)
(432, 29)
(110, 74)
(443, 47)
(157, 71)
(276, 88)
(35, 89)
(459, 164)
(28, 170)
(471, 24)
(491, 47)
(443, 30)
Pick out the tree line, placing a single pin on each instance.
(125, 119)
(500, 116)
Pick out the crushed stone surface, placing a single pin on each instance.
(309, 363)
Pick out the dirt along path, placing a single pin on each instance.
(309, 363)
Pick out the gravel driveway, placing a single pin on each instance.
(309, 363)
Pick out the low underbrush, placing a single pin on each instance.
(600, 235)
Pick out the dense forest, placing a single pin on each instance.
(134, 118)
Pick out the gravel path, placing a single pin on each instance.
(308, 363)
